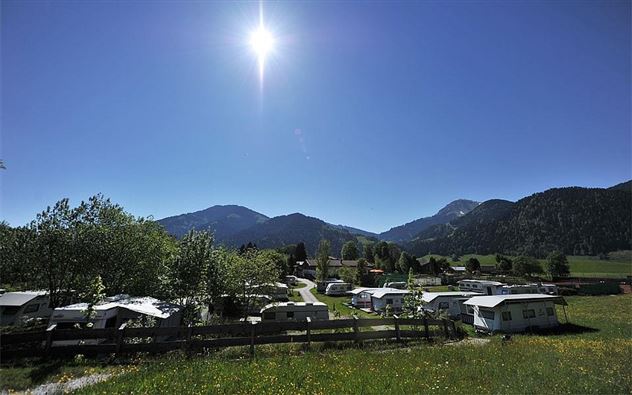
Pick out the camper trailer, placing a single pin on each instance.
(21, 307)
(481, 286)
(337, 289)
(321, 286)
(295, 311)
(115, 310)
(512, 313)
(450, 302)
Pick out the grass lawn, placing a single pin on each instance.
(581, 266)
(335, 303)
(299, 285)
(594, 362)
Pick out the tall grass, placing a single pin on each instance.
(592, 362)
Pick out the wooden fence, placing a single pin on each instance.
(69, 342)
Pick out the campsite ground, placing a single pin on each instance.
(591, 357)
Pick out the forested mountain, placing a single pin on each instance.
(410, 230)
(578, 221)
(624, 186)
(224, 221)
(291, 229)
(356, 231)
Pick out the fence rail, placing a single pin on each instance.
(69, 342)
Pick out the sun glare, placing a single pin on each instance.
(261, 42)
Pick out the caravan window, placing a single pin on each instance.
(549, 311)
(444, 305)
(487, 314)
(530, 313)
(32, 308)
(506, 315)
(269, 315)
(290, 314)
(389, 301)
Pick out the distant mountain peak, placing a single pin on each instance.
(451, 211)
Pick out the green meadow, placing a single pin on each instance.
(581, 266)
(593, 359)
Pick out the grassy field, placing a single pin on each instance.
(335, 303)
(592, 362)
(581, 266)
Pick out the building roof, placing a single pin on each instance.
(430, 296)
(482, 282)
(388, 291)
(144, 305)
(19, 298)
(289, 304)
(496, 300)
(361, 289)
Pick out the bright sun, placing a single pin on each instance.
(262, 43)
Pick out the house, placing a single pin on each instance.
(512, 313)
(388, 296)
(480, 286)
(116, 310)
(452, 302)
(20, 307)
(295, 311)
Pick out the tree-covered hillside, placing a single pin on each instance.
(292, 229)
(223, 221)
(577, 221)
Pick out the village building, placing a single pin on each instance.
(21, 307)
(512, 313)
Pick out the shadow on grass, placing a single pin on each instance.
(42, 372)
(564, 329)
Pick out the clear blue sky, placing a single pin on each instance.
(371, 114)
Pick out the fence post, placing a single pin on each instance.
(119, 337)
(356, 329)
(308, 321)
(426, 330)
(252, 338)
(49, 338)
(397, 332)
(189, 335)
(445, 328)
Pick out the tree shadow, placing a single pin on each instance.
(43, 371)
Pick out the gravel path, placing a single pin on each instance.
(69, 386)
(305, 294)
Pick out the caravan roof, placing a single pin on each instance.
(144, 305)
(430, 296)
(388, 291)
(19, 298)
(495, 300)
